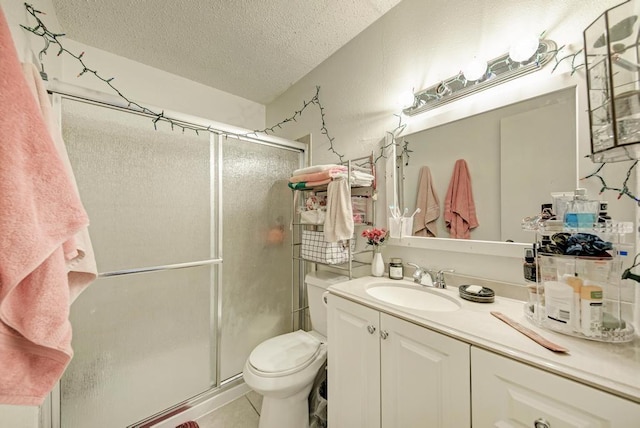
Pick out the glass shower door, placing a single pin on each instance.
(256, 290)
(143, 342)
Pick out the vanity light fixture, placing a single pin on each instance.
(475, 70)
(524, 49)
(478, 76)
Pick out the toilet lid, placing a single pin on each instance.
(285, 353)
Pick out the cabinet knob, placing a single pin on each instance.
(371, 329)
(541, 423)
(383, 334)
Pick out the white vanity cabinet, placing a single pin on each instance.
(389, 373)
(507, 393)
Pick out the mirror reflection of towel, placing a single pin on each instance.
(459, 207)
(429, 204)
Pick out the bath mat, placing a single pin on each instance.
(190, 424)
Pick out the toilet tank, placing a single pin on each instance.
(317, 283)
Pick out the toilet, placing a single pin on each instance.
(282, 369)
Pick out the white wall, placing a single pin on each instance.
(413, 46)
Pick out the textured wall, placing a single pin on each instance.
(138, 82)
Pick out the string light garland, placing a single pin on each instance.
(622, 191)
(394, 134)
(574, 67)
(51, 38)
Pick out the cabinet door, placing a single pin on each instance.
(353, 365)
(425, 377)
(511, 394)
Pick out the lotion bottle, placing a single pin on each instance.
(576, 284)
(591, 310)
(559, 304)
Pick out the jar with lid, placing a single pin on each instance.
(396, 270)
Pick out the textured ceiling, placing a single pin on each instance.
(255, 49)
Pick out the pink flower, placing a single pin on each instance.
(375, 237)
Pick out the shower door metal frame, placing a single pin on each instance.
(50, 411)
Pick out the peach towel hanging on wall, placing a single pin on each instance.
(459, 207)
(427, 200)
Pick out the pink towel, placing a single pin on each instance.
(427, 200)
(40, 212)
(318, 176)
(82, 269)
(459, 208)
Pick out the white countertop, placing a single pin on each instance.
(612, 367)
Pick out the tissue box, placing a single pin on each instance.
(314, 248)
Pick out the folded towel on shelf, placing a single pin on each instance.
(317, 168)
(338, 223)
(427, 200)
(40, 213)
(82, 268)
(459, 207)
(316, 176)
(308, 184)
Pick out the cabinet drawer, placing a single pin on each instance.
(506, 393)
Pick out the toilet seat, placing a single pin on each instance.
(285, 354)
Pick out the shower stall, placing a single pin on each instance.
(189, 234)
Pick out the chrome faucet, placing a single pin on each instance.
(419, 273)
(437, 277)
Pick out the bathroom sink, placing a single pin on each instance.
(422, 299)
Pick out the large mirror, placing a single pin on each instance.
(519, 145)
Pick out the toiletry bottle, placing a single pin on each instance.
(576, 284)
(603, 217)
(558, 304)
(591, 310)
(529, 266)
(546, 212)
(396, 270)
(581, 212)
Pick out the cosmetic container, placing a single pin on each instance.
(396, 269)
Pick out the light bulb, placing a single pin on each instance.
(405, 99)
(524, 49)
(475, 70)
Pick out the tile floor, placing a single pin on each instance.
(240, 413)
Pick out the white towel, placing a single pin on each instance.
(338, 224)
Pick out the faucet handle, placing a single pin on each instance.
(440, 277)
(417, 273)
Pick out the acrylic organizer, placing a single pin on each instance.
(575, 287)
